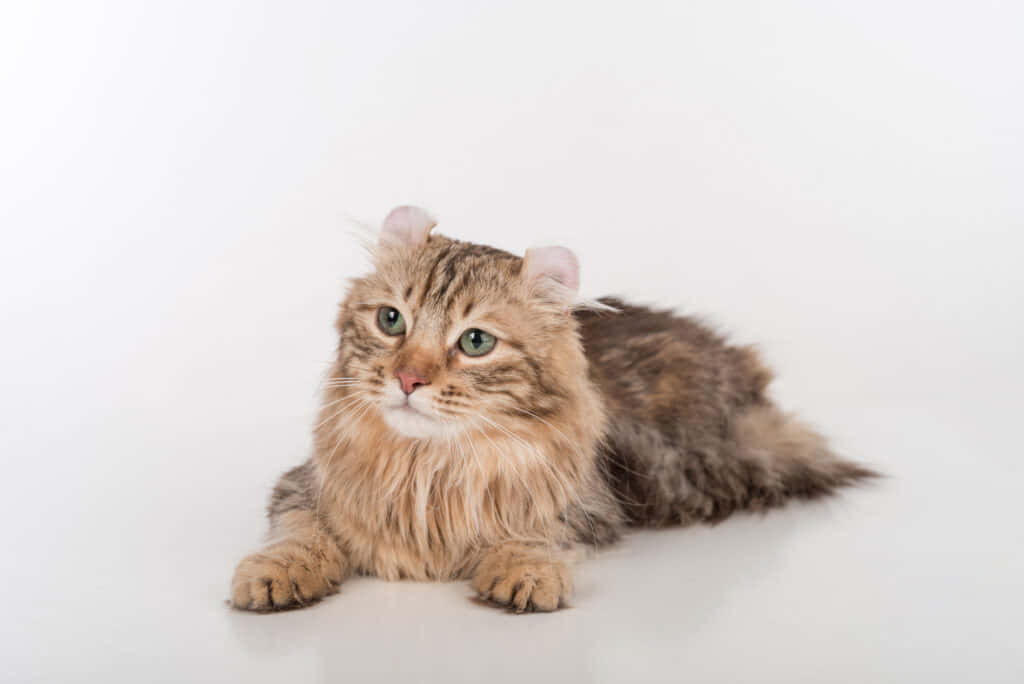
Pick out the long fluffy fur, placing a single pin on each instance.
(692, 435)
(577, 425)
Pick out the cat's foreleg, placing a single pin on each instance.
(522, 576)
(302, 561)
(300, 564)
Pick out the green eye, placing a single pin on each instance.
(475, 342)
(390, 320)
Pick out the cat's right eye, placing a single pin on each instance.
(390, 320)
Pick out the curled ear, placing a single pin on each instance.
(553, 269)
(406, 225)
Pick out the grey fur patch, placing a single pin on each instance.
(294, 491)
(692, 436)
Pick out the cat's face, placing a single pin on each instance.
(447, 336)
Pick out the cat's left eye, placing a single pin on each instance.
(476, 342)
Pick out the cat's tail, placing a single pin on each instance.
(782, 458)
(769, 458)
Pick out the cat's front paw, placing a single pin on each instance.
(285, 575)
(523, 578)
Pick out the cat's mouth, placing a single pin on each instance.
(406, 419)
(406, 405)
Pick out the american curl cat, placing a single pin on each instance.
(477, 424)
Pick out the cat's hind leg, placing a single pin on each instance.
(763, 459)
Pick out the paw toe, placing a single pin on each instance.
(264, 582)
(539, 585)
(546, 596)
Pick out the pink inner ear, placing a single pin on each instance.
(557, 263)
(407, 225)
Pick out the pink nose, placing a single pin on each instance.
(409, 380)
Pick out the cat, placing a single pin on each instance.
(478, 424)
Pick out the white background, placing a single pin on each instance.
(840, 182)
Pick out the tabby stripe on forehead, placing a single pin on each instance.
(450, 274)
(429, 282)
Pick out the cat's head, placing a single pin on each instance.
(447, 336)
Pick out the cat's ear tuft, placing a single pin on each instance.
(406, 225)
(554, 269)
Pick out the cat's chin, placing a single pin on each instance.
(409, 422)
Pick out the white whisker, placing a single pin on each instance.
(356, 397)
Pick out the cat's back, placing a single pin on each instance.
(657, 366)
(674, 390)
(691, 435)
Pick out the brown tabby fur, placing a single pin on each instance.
(575, 425)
